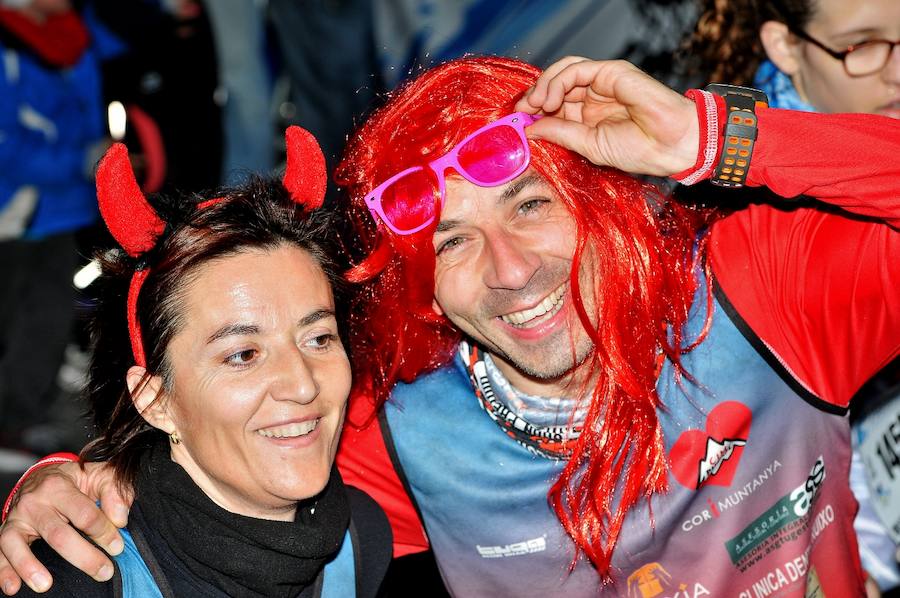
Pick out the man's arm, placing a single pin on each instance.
(847, 160)
(817, 285)
(52, 503)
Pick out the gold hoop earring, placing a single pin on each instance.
(175, 438)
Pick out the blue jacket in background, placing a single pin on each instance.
(49, 119)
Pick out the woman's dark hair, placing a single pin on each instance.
(257, 215)
(725, 47)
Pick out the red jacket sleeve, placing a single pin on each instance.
(848, 160)
(819, 286)
(364, 460)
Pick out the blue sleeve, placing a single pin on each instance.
(26, 155)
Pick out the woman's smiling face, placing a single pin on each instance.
(259, 381)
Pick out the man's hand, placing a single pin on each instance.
(614, 114)
(52, 503)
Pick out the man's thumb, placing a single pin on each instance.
(113, 503)
(569, 134)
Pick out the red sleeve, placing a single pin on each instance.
(848, 160)
(51, 459)
(364, 461)
(820, 288)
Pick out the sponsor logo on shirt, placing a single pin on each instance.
(711, 458)
(785, 521)
(784, 575)
(515, 549)
(653, 581)
(719, 505)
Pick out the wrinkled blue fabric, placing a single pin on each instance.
(779, 88)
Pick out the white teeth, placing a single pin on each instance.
(551, 303)
(290, 430)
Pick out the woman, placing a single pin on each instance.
(817, 56)
(223, 402)
(814, 55)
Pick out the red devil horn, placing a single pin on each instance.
(125, 210)
(305, 176)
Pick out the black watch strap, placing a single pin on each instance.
(740, 132)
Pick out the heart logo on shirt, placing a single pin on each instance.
(699, 458)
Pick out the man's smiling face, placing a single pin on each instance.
(503, 259)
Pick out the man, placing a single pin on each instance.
(688, 427)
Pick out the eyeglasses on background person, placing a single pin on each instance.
(860, 59)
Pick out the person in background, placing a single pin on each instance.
(239, 33)
(812, 55)
(52, 132)
(169, 74)
(821, 56)
(329, 89)
(376, 45)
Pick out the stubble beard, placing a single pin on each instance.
(559, 359)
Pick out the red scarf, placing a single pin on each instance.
(60, 40)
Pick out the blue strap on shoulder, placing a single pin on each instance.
(340, 574)
(137, 581)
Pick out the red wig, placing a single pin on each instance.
(641, 247)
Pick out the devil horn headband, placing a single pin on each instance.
(128, 216)
(305, 176)
(133, 224)
(136, 226)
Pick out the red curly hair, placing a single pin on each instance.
(642, 247)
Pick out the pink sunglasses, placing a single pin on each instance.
(494, 154)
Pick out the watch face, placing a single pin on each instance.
(736, 91)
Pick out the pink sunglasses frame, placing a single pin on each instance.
(517, 121)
